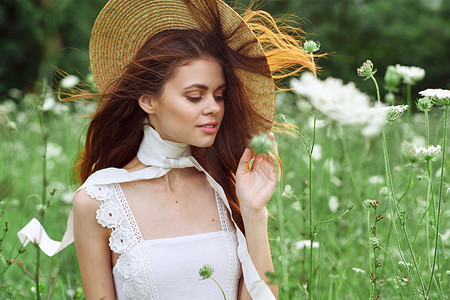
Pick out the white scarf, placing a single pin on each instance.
(160, 156)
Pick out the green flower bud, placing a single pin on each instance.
(206, 271)
(425, 104)
(11, 125)
(311, 46)
(395, 112)
(261, 144)
(392, 78)
(389, 98)
(366, 70)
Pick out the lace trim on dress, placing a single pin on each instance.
(130, 286)
(231, 243)
(125, 239)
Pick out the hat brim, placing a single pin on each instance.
(123, 26)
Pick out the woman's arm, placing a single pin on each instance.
(254, 189)
(94, 255)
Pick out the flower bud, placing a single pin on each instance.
(389, 98)
(424, 104)
(395, 112)
(311, 46)
(366, 70)
(261, 144)
(206, 271)
(392, 78)
(410, 152)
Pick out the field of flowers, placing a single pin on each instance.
(363, 212)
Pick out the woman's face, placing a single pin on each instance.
(191, 107)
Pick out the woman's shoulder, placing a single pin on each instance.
(83, 203)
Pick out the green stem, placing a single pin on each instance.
(408, 100)
(375, 253)
(313, 63)
(440, 199)
(395, 271)
(348, 162)
(284, 283)
(368, 252)
(223, 293)
(388, 238)
(391, 193)
(311, 229)
(44, 133)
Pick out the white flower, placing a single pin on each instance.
(342, 103)
(311, 46)
(333, 203)
(370, 205)
(306, 244)
(70, 81)
(336, 181)
(71, 293)
(374, 243)
(53, 150)
(383, 190)
(435, 93)
(393, 112)
(358, 270)
(296, 206)
(49, 102)
(410, 75)
(438, 96)
(317, 152)
(403, 264)
(428, 153)
(376, 179)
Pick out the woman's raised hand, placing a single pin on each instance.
(256, 184)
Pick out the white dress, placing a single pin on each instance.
(166, 268)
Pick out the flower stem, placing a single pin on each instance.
(368, 253)
(408, 101)
(392, 197)
(313, 63)
(45, 135)
(439, 200)
(311, 227)
(223, 293)
(284, 283)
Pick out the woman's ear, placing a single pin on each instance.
(147, 103)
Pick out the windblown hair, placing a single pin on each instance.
(116, 130)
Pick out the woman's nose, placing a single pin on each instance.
(212, 106)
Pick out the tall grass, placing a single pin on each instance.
(321, 248)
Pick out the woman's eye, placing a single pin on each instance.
(194, 99)
(219, 98)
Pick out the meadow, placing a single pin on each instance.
(355, 217)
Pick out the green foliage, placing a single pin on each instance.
(37, 38)
(407, 32)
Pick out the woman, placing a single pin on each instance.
(167, 182)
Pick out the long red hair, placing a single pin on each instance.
(116, 130)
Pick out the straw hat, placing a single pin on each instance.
(123, 26)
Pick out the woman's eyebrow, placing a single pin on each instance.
(204, 87)
(197, 85)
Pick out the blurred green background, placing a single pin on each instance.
(40, 37)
